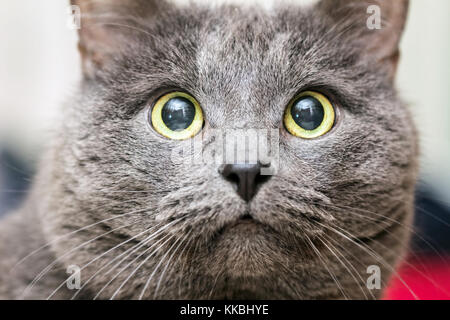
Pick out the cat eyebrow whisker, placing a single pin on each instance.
(125, 26)
(124, 191)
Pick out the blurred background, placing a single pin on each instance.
(39, 68)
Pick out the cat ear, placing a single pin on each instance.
(377, 25)
(104, 24)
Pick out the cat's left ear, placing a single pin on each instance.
(376, 25)
(105, 26)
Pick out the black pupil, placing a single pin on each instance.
(178, 113)
(308, 113)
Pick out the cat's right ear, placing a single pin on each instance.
(376, 26)
(105, 25)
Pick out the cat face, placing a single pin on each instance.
(168, 225)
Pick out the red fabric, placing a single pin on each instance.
(427, 279)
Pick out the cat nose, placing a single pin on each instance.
(246, 178)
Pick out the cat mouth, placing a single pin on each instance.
(245, 226)
(244, 221)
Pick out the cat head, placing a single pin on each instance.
(159, 78)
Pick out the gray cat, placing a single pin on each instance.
(112, 213)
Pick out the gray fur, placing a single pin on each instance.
(243, 65)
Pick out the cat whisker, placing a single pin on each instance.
(114, 24)
(23, 174)
(59, 238)
(411, 265)
(109, 16)
(128, 253)
(141, 264)
(351, 210)
(433, 216)
(444, 261)
(98, 257)
(47, 269)
(214, 285)
(330, 239)
(130, 263)
(168, 262)
(335, 253)
(444, 203)
(408, 228)
(156, 268)
(190, 275)
(333, 276)
(123, 191)
(372, 253)
(183, 265)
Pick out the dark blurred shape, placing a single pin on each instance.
(432, 223)
(14, 181)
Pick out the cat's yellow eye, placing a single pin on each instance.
(177, 116)
(309, 115)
